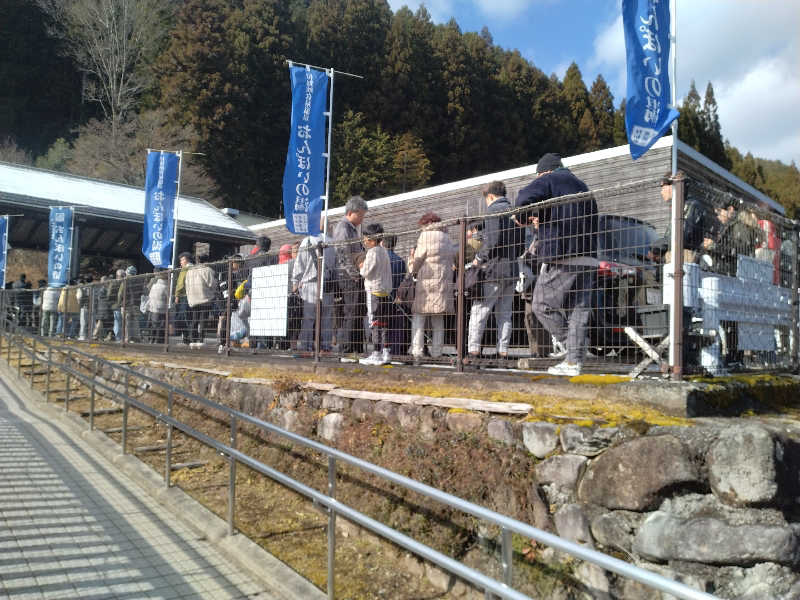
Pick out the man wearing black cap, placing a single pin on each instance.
(566, 238)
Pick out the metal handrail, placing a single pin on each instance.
(507, 524)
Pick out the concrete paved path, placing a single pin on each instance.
(71, 527)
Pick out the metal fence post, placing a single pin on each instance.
(331, 527)
(227, 331)
(676, 332)
(795, 342)
(168, 453)
(125, 415)
(462, 242)
(124, 314)
(318, 309)
(232, 479)
(19, 355)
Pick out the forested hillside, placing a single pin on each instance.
(210, 76)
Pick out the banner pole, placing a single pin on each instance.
(321, 272)
(175, 226)
(5, 250)
(677, 262)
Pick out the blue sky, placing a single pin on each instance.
(748, 49)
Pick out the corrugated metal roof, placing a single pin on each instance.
(110, 198)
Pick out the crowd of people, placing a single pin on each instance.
(374, 303)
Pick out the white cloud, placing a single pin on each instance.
(442, 10)
(749, 51)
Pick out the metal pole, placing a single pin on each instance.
(19, 356)
(166, 315)
(47, 378)
(318, 308)
(462, 242)
(675, 309)
(168, 461)
(331, 527)
(676, 333)
(507, 556)
(126, 289)
(674, 60)
(91, 396)
(175, 223)
(795, 300)
(67, 362)
(33, 359)
(327, 156)
(125, 415)
(227, 331)
(232, 479)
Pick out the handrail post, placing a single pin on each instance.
(331, 528)
(507, 557)
(168, 453)
(125, 414)
(47, 379)
(19, 356)
(232, 479)
(166, 316)
(33, 358)
(91, 395)
(462, 242)
(66, 392)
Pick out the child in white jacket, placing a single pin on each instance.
(376, 269)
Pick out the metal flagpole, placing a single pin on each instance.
(327, 156)
(674, 359)
(175, 226)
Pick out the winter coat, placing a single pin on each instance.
(68, 301)
(503, 241)
(102, 307)
(304, 268)
(377, 271)
(201, 285)
(50, 298)
(157, 297)
(567, 229)
(434, 258)
(345, 231)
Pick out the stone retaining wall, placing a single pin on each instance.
(714, 505)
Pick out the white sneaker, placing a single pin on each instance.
(386, 357)
(221, 349)
(372, 359)
(566, 369)
(559, 349)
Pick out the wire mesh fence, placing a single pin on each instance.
(552, 283)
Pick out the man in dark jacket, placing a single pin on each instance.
(347, 240)
(503, 243)
(567, 243)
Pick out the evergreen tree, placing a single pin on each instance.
(225, 75)
(602, 104)
(712, 145)
(576, 98)
(620, 133)
(587, 133)
(690, 127)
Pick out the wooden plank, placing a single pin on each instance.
(516, 408)
(190, 368)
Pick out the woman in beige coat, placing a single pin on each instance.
(432, 264)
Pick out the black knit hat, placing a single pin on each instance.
(548, 162)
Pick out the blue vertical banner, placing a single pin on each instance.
(3, 249)
(647, 109)
(60, 253)
(304, 174)
(161, 191)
